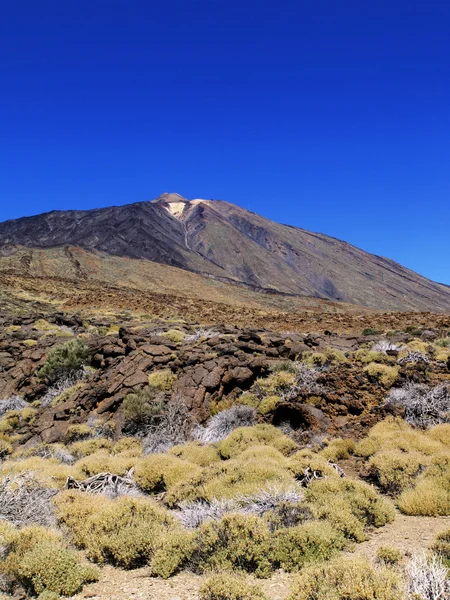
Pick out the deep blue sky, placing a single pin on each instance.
(330, 115)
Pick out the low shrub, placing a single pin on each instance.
(244, 437)
(347, 579)
(235, 542)
(139, 406)
(394, 470)
(124, 531)
(351, 506)
(428, 498)
(174, 335)
(160, 472)
(49, 472)
(87, 447)
(388, 555)
(385, 374)
(102, 462)
(162, 380)
(76, 433)
(196, 454)
(176, 548)
(228, 586)
(339, 449)
(39, 560)
(442, 547)
(64, 359)
(315, 541)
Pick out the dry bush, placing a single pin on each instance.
(351, 506)
(272, 501)
(240, 542)
(228, 586)
(15, 403)
(347, 579)
(160, 472)
(167, 428)
(195, 453)
(427, 579)
(25, 501)
(222, 424)
(124, 531)
(424, 407)
(442, 547)
(394, 470)
(388, 555)
(244, 437)
(338, 449)
(64, 360)
(314, 541)
(39, 561)
(61, 389)
(385, 374)
(89, 446)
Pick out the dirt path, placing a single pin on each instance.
(116, 584)
(409, 534)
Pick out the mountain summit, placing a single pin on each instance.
(226, 242)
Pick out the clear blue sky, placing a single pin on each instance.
(330, 115)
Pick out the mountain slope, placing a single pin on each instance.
(223, 241)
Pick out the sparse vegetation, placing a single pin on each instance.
(64, 359)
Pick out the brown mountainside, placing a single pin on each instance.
(230, 244)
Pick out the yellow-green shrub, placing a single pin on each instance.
(162, 380)
(228, 586)
(276, 383)
(5, 448)
(347, 579)
(48, 471)
(238, 542)
(440, 433)
(160, 472)
(87, 447)
(196, 454)
(313, 541)
(385, 374)
(78, 432)
(38, 559)
(428, 498)
(124, 531)
(174, 335)
(365, 356)
(339, 449)
(101, 462)
(243, 437)
(128, 446)
(388, 555)
(176, 547)
(351, 506)
(394, 470)
(442, 547)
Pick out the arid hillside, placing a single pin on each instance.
(224, 242)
